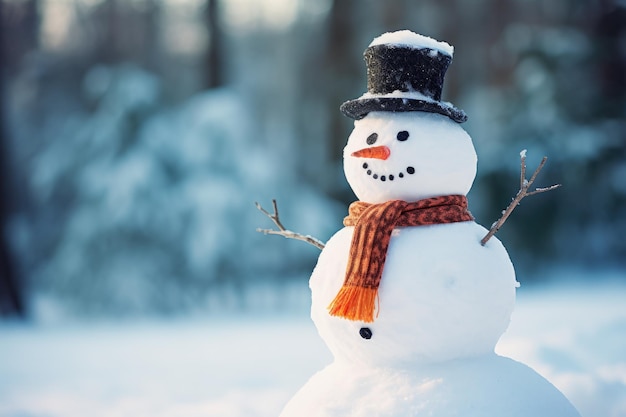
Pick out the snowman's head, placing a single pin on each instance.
(408, 156)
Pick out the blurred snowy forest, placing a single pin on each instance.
(135, 137)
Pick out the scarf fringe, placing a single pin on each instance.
(354, 303)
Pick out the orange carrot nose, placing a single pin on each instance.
(377, 152)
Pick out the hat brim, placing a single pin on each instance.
(359, 108)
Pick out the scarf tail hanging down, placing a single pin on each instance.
(373, 225)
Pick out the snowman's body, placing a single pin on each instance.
(443, 296)
(444, 299)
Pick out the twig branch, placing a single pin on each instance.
(281, 229)
(523, 192)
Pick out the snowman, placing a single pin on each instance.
(407, 299)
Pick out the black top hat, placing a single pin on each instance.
(402, 78)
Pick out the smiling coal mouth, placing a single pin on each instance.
(390, 177)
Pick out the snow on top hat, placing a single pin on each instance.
(405, 72)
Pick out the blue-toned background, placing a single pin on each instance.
(136, 136)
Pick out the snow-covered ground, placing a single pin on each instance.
(573, 333)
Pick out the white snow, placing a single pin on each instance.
(439, 149)
(442, 296)
(444, 302)
(573, 333)
(407, 95)
(480, 387)
(412, 40)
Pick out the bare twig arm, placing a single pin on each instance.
(281, 229)
(292, 235)
(522, 171)
(544, 189)
(523, 192)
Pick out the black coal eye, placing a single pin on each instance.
(371, 139)
(402, 136)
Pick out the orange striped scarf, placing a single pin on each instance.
(373, 224)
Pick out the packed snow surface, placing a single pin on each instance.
(412, 40)
(572, 333)
(449, 299)
(437, 158)
(486, 386)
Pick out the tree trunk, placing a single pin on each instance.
(214, 76)
(11, 301)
